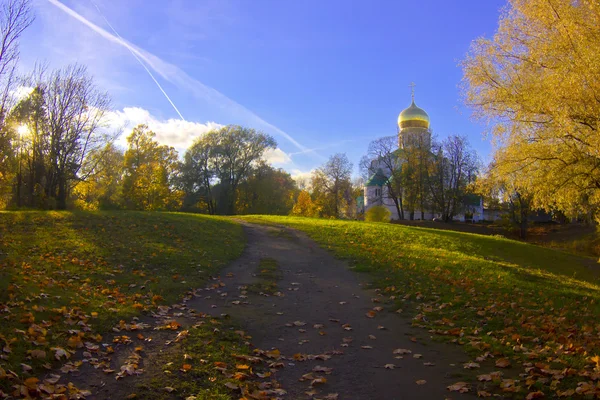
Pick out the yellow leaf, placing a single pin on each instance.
(273, 353)
(31, 383)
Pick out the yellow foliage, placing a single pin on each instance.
(537, 81)
(304, 206)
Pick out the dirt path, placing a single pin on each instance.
(320, 290)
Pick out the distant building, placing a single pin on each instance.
(413, 130)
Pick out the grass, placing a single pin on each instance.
(192, 368)
(499, 298)
(67, 277)
(268, 274)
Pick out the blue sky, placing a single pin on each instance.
(321, 76)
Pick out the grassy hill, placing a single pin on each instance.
(67, 278)
(536, 309)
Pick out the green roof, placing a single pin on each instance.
(377, 179)
(472, 199)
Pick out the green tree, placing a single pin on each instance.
(198, 173)
(538, 82)
(221, 160)
(266, 191)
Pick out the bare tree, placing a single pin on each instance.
(15, 17)
(388, 157)
(454, 167)
(75, 116)
(334, 179)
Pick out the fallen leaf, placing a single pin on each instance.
(318, 380)
(421, 382)
(186, 367)
(503, 363)
(319, 368)
(461, 387)
(535, 395)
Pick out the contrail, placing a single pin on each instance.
(136, 57)
(327, 146)
(178, 77)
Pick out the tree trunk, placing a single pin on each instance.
(61, 198)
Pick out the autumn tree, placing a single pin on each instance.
(538, 82)
(304, 206)
(54, 130)
(149, 173)
(27, 123)
(15, 17)
(75, 112)
(414, 175)
(502, 189)
(332, 187)
(101, 183)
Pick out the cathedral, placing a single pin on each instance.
(414, 137)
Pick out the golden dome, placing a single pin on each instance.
(413, 117)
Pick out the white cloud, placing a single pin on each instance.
(21, 92)
(175, 132)
(277, 156)
(172, 132)
(302, 178)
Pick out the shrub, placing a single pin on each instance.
(378, 214)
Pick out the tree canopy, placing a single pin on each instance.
(537, 82)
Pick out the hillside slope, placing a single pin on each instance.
(68, 278)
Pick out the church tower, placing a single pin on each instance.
(413, 126)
